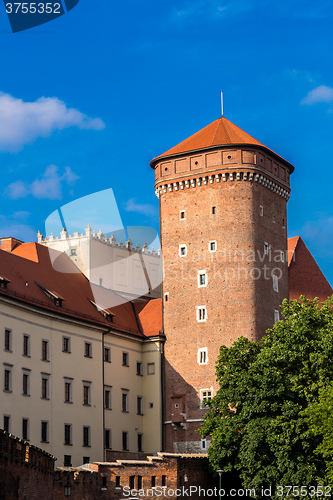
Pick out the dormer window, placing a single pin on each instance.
(108, 315)
(3, 282)
(53, 296)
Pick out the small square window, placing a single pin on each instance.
(212, 246)
(8, 340)
(213, 210)
(125, 359)
(87, 350)
(107, 354)
(182, 214)
(73, 251)
(86, 460)
(139, 368)
(66, 344)
(182, 250)
(201, 313)
(150, 368)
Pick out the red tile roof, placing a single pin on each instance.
(149, 314)
(305, 276)
(31, 263)
(221, 132)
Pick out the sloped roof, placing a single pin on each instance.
(31, 267)
(305, 276)
(221, 132)
(149, 314)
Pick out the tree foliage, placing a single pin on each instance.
(256, 422)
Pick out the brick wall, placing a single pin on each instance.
(239, 296)
(26, 472)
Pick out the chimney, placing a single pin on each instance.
(8, 244)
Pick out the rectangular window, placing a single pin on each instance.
(25, 384)
(73, 251)
(139, 482)
(6, 423)
(117, 481)
(66, 344)
(86, 436)
(86, 394)
(182, 214)
(139, 368)
(124, 401)
(125, 443)
(107, 398)
(45, 350)
(68, 434)
(140, 442)
(125, 359)
(68, 391)
(205, 395)
(164, 478)
(67, 460)
(139, 405)
(203, 356)
(8, 380)
(44, 432)
(203, 444)
(150, 368)
(25, 429)
(282, 256)
(212, 246)
(107, 439)
(201, 313)
(26, 345)
(153, 481)
(202, 278)
(275, 283)
(213, 210)
(166, 297)
(86, 460)
(131, 482)
(87, 350)
(45, 387)
(266, 248)
(261, 210)
(8, 340)
(107, 354)
(182, 250)
(276, 316)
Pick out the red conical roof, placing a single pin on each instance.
(221, 132)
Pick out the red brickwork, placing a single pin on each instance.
(236, 197)
(26, 472)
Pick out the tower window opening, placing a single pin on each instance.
(276, 316)
(182, 250)
(266, 248)
(275, 283)
(212, 246)
(201, 313)
(202, 279)
(205, 395)
(203, 356)
(213, 210)
(182, 214)
(261, 210)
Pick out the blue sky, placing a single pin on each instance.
(87, 100)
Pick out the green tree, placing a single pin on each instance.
(255, 422)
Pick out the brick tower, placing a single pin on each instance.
(223, 215)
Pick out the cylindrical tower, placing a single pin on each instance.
(223, 199)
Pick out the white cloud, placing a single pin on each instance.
(319, 94)
(23, 122)
(141, 208)
(48, 186)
